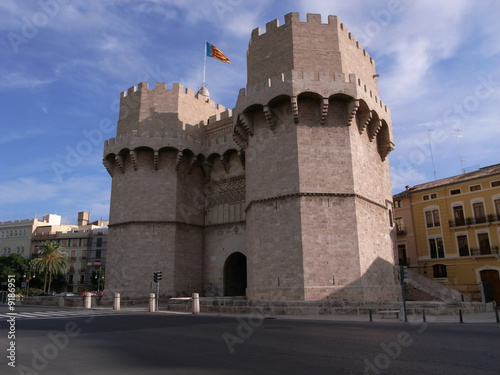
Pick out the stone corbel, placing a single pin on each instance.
(352, 109)
(385, 149)
(207, 169)
(324, 111)
(270, 117)
(133, 159)
(192, 163)
(241, 132)
(295, 109)
(119, 162)
(241, 155)
(224, 163)
(364, 120)
(374, 128)
(245, 123)
(178, 161)
(239, 141)
(108, 165)
(155, 160)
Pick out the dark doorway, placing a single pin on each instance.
(235, 275)
(491, 285)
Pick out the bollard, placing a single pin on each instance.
(496, 314)
(460, 314)
(152, 303)
(423, 316)
(371, 317)
(116, 302)
(196, 303)
(87, 303)
(60, 302)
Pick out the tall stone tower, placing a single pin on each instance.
(316, 138)
(157, 212)
(287, 197)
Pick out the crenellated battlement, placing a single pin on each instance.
(213, 136)
(177, 90)
(213, 121)
(292, 19)
(311, 36)
(295, 82)
(145, 108)
(217, 124)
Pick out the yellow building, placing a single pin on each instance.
(456, 226)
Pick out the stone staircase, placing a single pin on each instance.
(421, 288)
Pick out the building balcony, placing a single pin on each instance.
(468, 221)
(493, 218)
(401, 230)
(42, 236)
(485, 252)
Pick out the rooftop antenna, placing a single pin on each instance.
(457, 135)
(432, 155)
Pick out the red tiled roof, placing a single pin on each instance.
(480, 173)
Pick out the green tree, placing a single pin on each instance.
(13, 264)
(52, 260)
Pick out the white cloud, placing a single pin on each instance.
(8, 136)
(76, 193)
(26, 189)
(22, 80)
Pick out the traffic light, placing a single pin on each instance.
(157, 276)
(404, 272)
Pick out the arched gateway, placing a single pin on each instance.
(235, 275)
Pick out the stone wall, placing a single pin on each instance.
(270, 308)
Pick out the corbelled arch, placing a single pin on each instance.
(384, 141)
(374, 126)
(363, 117)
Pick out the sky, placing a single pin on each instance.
(64, 63)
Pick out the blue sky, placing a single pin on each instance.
(64, 63)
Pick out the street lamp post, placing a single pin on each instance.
(99, 277)
(29, 274)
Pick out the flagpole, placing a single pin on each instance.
(204, 65)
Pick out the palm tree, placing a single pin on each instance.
(51, 261)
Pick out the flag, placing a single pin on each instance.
(213, 51)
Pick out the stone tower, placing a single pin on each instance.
(316, 138)
(159, 171)
(287, 197)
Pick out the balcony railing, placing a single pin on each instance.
(474, 220)
(400, 229)
(478, 252)
(464, 251)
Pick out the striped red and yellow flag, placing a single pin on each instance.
(213, 51)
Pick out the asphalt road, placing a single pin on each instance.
(159, 343)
